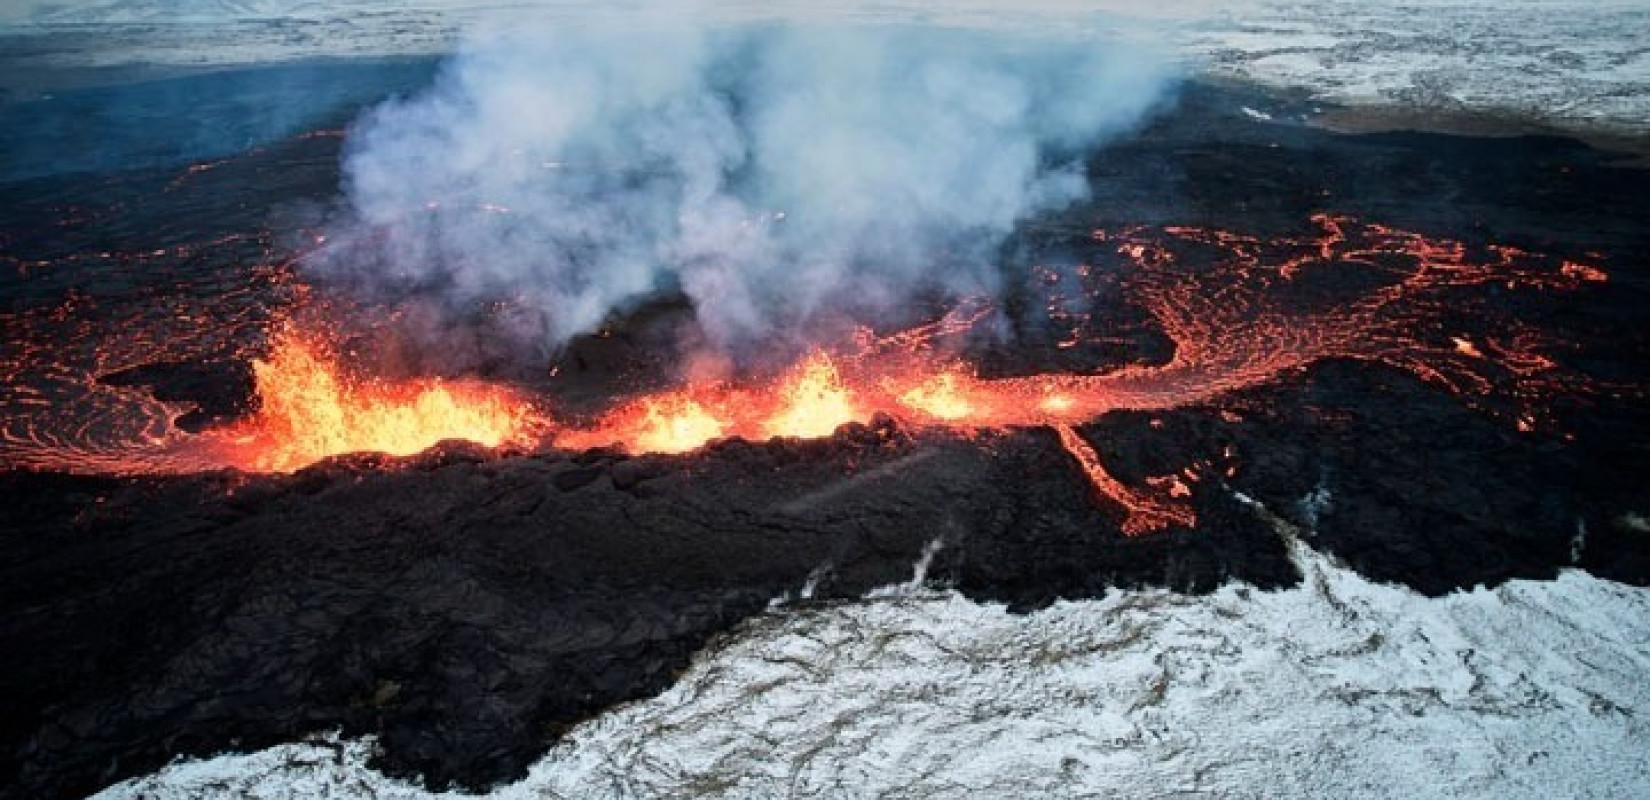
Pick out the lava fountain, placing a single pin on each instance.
(311, 408)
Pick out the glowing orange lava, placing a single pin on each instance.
(946, 397)
(1245, 313)
(674, 422)
(1147, 512)
(311, 409)
(1232, 325)
(807, 401)
(812, 400)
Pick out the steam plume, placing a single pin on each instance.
(780, 177)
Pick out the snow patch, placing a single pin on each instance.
(1336, 687)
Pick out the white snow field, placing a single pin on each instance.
(1336, 688)
(1579, 64)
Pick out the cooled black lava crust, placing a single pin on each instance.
(468, 607)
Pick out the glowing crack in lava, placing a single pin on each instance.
(99, 314)
(310, 408)
(1239, 311)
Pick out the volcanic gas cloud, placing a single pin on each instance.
(804, 192)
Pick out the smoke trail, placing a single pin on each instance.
(782, 178)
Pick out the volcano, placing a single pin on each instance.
(241, 506)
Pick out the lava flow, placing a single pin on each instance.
(310, 408)
(809, 400)
(1250, 314)
(1239, 311)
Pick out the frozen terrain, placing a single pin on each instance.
(1336, 688)
(1568, 63)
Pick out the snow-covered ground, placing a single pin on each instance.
(1337, 688)
(1573, 63)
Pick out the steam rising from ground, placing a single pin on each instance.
(783, 179)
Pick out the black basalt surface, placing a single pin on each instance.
(467, 606)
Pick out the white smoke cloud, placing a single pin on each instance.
(780, 177)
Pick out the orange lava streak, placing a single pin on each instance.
(1145, 513)
(311, 410)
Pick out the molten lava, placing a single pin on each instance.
(812, 401)
(809, 400)
(1234, 324)
(675, 425)
(311, 409)
(945, 397)
(1240, 311)
(674, 422)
